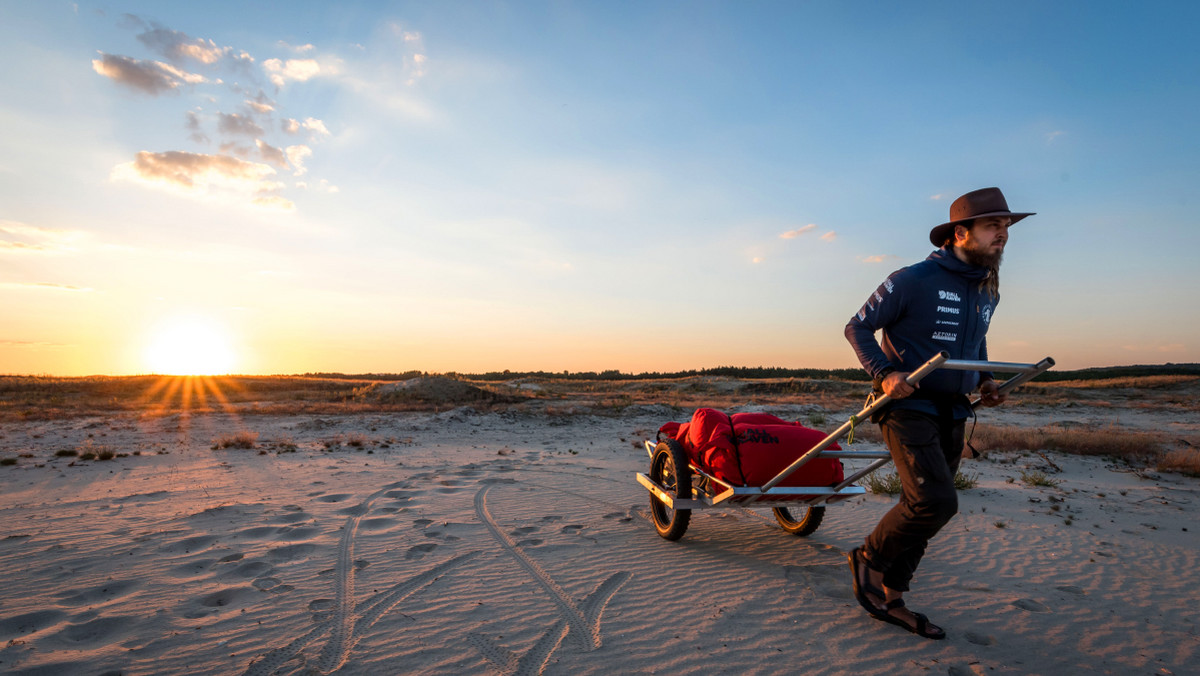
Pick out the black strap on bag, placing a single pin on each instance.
(737, 453)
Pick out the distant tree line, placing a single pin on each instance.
(757, 372)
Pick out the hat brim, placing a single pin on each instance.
(941, 233)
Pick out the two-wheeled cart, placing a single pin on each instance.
(677, 485)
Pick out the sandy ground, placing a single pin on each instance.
(520, 543)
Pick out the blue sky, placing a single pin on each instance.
(476, 186)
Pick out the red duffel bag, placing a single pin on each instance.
(749, 449)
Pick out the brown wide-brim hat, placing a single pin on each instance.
(980, 203)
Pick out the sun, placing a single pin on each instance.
(190, 346)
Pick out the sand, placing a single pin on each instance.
(519, 543)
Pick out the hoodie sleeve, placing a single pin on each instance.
(983, 356)
(882, 309)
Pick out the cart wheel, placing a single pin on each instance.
(669, 469)
(806, 526)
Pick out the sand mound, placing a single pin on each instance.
(429, 390)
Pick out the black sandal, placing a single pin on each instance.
(863, 587)
(922, 627)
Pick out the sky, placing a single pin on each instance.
(375, 187)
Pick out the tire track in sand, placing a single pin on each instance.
(372, 609)
(583, 624)
(344, 629)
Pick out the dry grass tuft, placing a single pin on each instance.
(1111, 441)
(243, 439)
(1183, 460)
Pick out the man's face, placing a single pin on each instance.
(983, 243)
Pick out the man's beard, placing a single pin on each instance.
(977, 257)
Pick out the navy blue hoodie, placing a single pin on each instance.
(937, 304)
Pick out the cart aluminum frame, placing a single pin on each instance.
(671, 496)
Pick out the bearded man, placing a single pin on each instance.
(944, 303)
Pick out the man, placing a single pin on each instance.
(945, 302)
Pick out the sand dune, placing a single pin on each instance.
(519, 543)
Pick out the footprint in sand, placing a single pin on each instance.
(417, 551)
(97, 632)
(1072, 589)
(189, 545)
(572, 529)
(295, 517)
(421, 523)
(532, 542)
(192, 569)
(29, 623)
(831, 581)
(250, 569)
(1031, 605)
(225, 597)
(334, 497)
(102, 594)
(266, 583)
(300, 533)
(979, 639)
(290, 552)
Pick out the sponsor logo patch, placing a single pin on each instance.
(947, 310)
(945, 335)
(887, 284)
(948, 295)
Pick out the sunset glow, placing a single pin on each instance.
(472, 187)
(190, 346)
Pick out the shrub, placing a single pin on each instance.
(889, 484)
(1036, 478)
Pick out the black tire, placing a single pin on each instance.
(806, 526)
(669, 469)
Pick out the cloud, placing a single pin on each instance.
(19, 238)
(1052, 136)
(297, 155)
(193, 125)
(829, 236)
(793, 234)
(44, 286)
(270, 153)
(314, 125)
(199, 174)
(878, 258)
(233, 123)
(272, 201)
(151, 77)
(178, 47)
(938, 197)
(262, 108)
(295, 70)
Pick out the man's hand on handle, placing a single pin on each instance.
(895, 386)
(989, 394)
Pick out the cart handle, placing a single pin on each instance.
(1025, 372)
